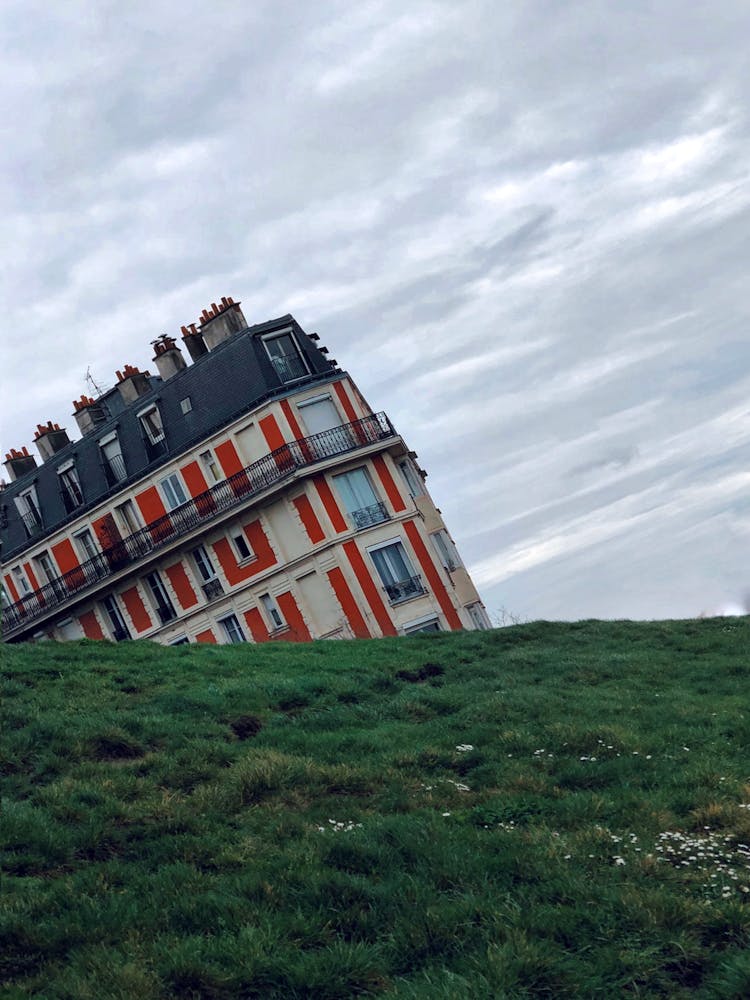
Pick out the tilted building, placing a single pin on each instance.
(250, 495)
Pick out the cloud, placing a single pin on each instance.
(522, 227)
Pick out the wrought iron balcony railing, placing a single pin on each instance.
(224, 496)
(213, 588)
(32, 522)
(114, 470)
(404, 589)
(374, 514)
(289, 367)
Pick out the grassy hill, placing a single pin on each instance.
(546, 810)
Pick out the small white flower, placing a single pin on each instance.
(463, 747)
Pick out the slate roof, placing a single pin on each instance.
(233, 378)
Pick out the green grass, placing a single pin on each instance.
(541, 811)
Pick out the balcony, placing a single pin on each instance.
(230, 494)
(404, 590)
(212, 589)
(367, 516)
(289, 367)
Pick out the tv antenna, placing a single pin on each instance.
(91, 383)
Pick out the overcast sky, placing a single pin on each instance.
(521, 226)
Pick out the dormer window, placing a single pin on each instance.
(70, 486)
(27, 504)
(112, 460)
(152, 429)
(151, 423)
(285, 356)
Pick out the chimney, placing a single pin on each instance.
(18, 463)
(49, 439)
(89, 413)
(194, 342)
(221, 322)
(168, 357)
(133, 383)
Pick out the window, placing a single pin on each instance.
(272, 610)
(22, 584)
(323, 420)
(174, 491)
(128, 517)
(210, 467)
(117, 622)
(27, 505)
(210, 582)
(151, 423)
(412, 478)
(360, 499)
(50, 573)
(446, 550)
(112, 460)
(162, 604)
(69, 629)
(70, 487)
(182, 641)
(243, 549)
(232, 629)
(428, 624)
(186, 406)
(85, 544)
(285, 356)
(395, 570)
(479, 616)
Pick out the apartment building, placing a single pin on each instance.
(246, 495)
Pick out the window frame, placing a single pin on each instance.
(225, 621)
(211, 585)
(29, 510)
(200, 555)
(21, 578)
(155, 434)
(239, 541)
(70, 484)
(446, 550)
(123, 511)
(421, 624)
(273, 612)
(267, 338)
(83, 549)
(157, 590)
(50, 571)
(398, 590)
(212, 471)
(377, 507)
(168, 483)
(410, 475)
(110, 462)
(116, 618)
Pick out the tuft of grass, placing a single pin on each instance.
(542, 810)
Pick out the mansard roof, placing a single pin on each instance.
(233, 378)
